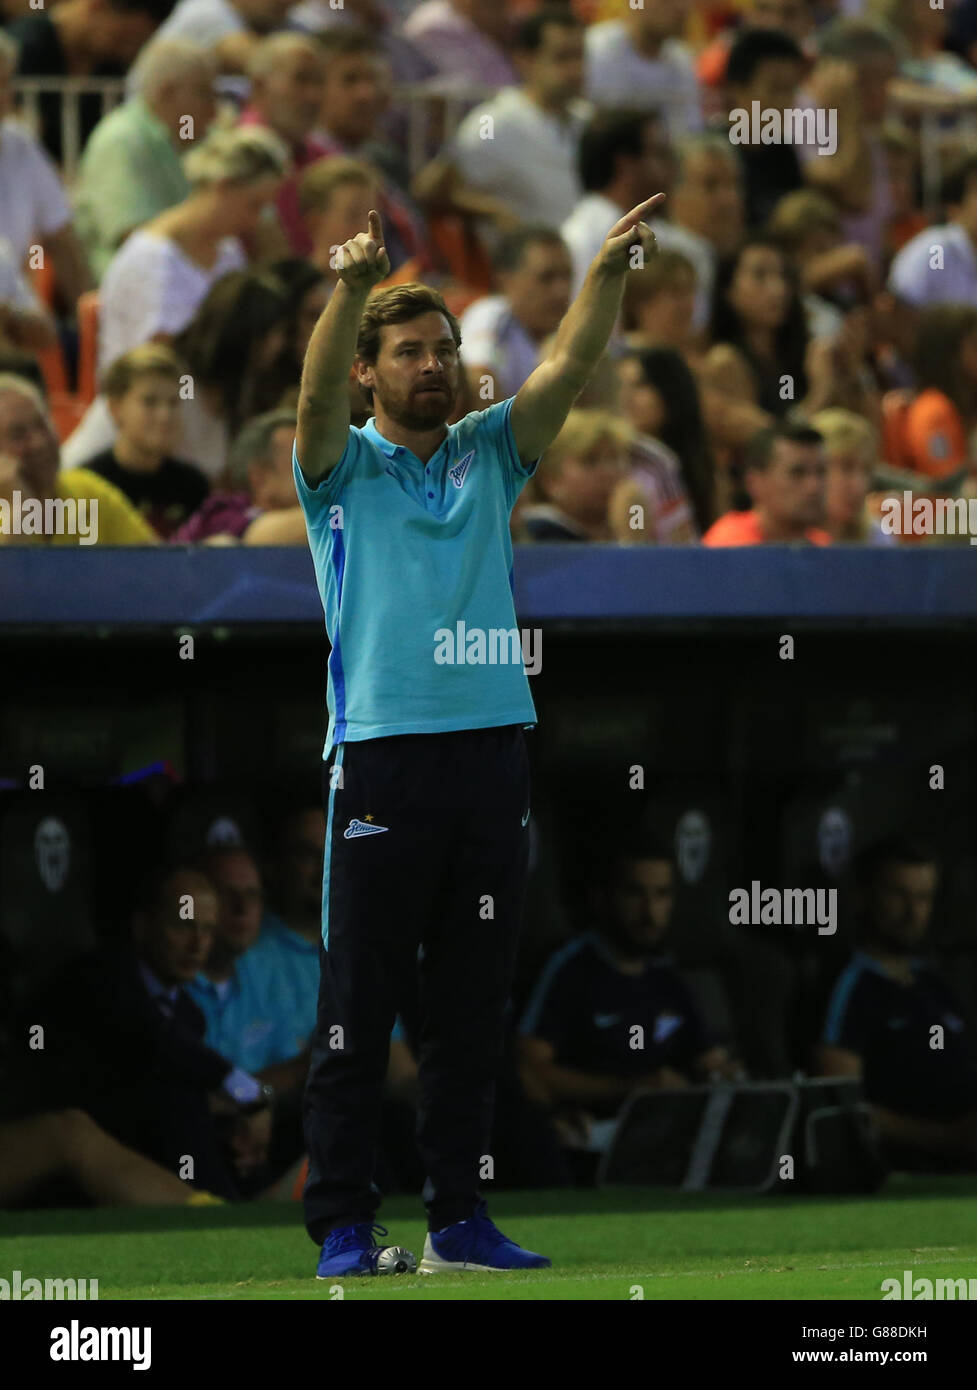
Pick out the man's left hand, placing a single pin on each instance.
(617, 254)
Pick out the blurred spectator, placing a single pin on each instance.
(706, 197)
(786, 474)
(856, 65)
(757, 310)
(293, 930)
(660, 401)
(942, 417)
(233, 341)
(791, 17)
(576, 477)
(503, 334)
(807, 225)
(248, 1021)
(659, 303)
(81, 38)
(142, 388)
(623, 158)
(131, 169)
(307, 290)
(287, 74)
(354, 102)
(467, 40)
(643, 56)
(230, 29)
(259, 506)
(24, 321)
(33, 208)
(29, 468)
(882, 1015)
(939, 264)
(158, 279)
(929, 77)
(852, 447)
(765, 66)
(576, 1032)
(906, 219)
(517, 154)
(124, 1041)
(335, 197)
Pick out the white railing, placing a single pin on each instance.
(428, 108)
(71, 90)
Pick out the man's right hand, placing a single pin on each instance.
(363, 262)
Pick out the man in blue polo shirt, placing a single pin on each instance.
(426, 777)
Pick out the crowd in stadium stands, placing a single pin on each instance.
(802, 347)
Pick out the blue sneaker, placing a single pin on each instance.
(351, 1250)
(476, 1244)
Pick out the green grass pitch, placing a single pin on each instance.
(602, 1245)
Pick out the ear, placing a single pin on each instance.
(363, 372)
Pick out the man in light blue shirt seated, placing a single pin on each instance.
(247, 1013)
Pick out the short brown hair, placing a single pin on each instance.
(149, 359)
(399, 304)
(320, 180)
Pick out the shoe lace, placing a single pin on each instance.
(484, 1230)
(352, 1238)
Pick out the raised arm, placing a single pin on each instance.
(323, 409)
(544, 401)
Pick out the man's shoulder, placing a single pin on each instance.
(18, 142)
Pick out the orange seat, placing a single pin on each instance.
(457, 246)
(88, 308)
(66, 412)
(895, 410)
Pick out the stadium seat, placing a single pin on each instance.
(895, 408)
(88, 307)
(457, 246)
(66, 412)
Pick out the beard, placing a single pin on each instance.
(419, 410)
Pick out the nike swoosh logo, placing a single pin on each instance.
(525, 819)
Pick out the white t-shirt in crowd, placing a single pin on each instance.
(524, 156)
(32, 199)
(152, 287)
(586, 228)
(618, 75)
(15, 290)
(492, 337)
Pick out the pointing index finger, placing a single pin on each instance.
(636, 215)
(376, 227)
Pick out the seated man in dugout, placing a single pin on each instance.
(611, 1014)
(894, 1024)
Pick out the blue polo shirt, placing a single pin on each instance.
(249, 1018)
(292, 963)
(414, 567)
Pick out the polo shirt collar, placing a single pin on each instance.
(395, 451)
